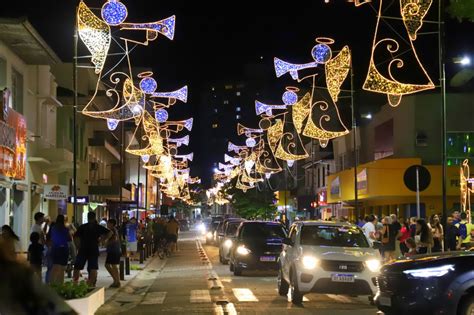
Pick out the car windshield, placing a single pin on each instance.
(337, 236)
(263, 231)
(232, 228)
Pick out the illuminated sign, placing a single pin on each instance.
(80, 200)
(55, 192)
(12, 140)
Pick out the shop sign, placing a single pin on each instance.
(322, 198)
(80, 200)
(336, 187)
(55, 192)
(12, 140)
(362, 182)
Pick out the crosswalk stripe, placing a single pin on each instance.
(154, 298)
(227, 309)
(200, 296)
(244, 295)
(340, 298)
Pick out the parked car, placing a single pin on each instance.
(441, 283)
(327, 257)
(256, 246)
(211, 232)
(220, 235)
(228, 236)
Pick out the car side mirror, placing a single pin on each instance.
(287, 241)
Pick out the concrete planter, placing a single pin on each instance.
(89, 304)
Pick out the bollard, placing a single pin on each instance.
(142, 255)
(127, 266)
(122, 270)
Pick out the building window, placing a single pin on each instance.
(212, 89)
(237, 117)
(237, 109)
(318, 178)
(17, 91)
(237, 93)
(384, 140)
(226, 102)
(214, 126)
(215, 110)
(228, 87)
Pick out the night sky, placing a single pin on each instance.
(213, 42)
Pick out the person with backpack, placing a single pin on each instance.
(465, 229)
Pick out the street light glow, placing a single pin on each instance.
(465, 61)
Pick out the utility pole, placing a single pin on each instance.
(74, 125)
(354, 135)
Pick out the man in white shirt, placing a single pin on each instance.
(38, 227)
(369, 229)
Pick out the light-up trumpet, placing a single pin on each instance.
(236, 148)
(181, 94)
(180, 141)
(165, 27)
(187, 157)
(282, 67)
(241, 129)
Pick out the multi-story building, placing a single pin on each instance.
(32, 163)
(395, 139)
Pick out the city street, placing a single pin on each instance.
(192, 281)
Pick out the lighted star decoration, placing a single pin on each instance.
(412, 14)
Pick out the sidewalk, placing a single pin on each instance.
(103, 277)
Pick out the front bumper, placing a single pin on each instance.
(252, 262)
(321, 281)
(417, 304)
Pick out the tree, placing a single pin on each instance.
(462, 9)
(253, 204)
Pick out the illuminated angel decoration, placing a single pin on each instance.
(387, 77)
(323, 121)
(466, 186)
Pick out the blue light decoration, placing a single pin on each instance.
(235, 148)
(250, 142)
(290, 97)
(161, 115)
(137, 109)
(112, 124)
(165, 27)
(282, 67)
(181, 94)
(180, 141)
(114, 12)
(188, 124)
(290, 163)
(321, 53)
(145, 158)
(148, 85)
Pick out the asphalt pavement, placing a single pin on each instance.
(192, 281)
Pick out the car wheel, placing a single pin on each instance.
(296, 295)
(283, 286)
(467, 306)
(237, 271)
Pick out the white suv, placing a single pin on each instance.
(327, 257)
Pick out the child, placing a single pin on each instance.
(35, 253)
(411, 245)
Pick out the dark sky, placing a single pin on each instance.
(214, 41)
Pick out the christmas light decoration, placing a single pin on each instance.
(95, 34)
(232, 147)
(112, 124)
(290, 97)
(301, 110)
(145, 158)
(412, 13)
(282, 67)
(241, 129)
(274, 134)
(290, 144)
(165, 27)
(148, 85)
(266, 161)
(180, 141)
(187, 157)
(161, 115)
(337, 70)
(250, 142)
(114, 12)
(181, 94)
(290, 163)
(466, 185)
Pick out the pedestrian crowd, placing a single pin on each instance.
(60, 247)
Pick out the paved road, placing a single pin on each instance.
(192, 281)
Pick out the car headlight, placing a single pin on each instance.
(241, 250)
(228, 243)
(310, 262)
(429, 272)
(202, 228)
(209, 235)
(373, 265)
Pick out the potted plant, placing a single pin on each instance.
(83, 299)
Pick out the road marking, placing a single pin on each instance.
(340, 298)
(153, 298)
(200, 296)
(227, 309)
(244, 295)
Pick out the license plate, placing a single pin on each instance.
(342, 278)
(385, 300)
(267, 258)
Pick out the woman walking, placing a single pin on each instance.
(11, 241)
(60, 238)
(437, 232)
(113, 253)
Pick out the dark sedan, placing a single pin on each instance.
(257, 246)
(428, 284)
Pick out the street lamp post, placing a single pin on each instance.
(442, 80)
(74, 124)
